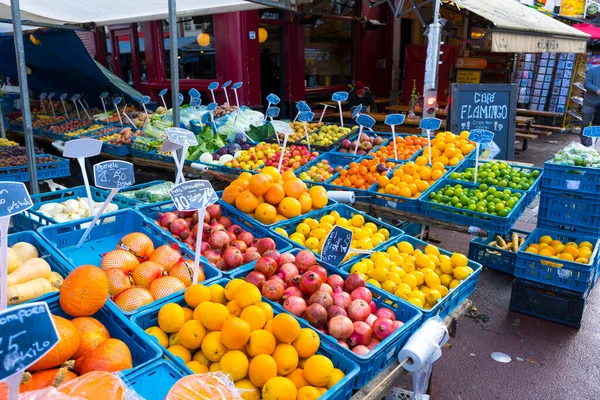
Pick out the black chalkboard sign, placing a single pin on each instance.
(490, 107)
(336, 245)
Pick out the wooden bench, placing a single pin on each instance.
(524, 137)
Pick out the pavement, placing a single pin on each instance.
(548, 361)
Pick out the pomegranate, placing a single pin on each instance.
(287, 258)
(232, 236)
(212, 255)
(272, 290)
(265, 244)
(166, 219)
(178, 226)
(274, 254)
(225, 221)
(195, 230)
(206, 217)
(250, 256)
(316, 315)
(370, 319)
(362, 334)
(186, 214)
(396, 324)
(322, 298)
(373, 307)
(334, 311)
(305, 259)
(204, 246)
(382, 328)
(277, 278)
(295, 305)
(291, 291)
(235, 229)
(287, 271)
(317, 269)
(195, 218)
(214, 210)
(309, 282)
(361, 350)
(233, 257)
(191, 242)
(374, 342)
(295, 281)
(206, 231)
(325, 288)
(340, 327)
(218, 240)
(335, 281)
(254, 243)
(343, 344)
(353, 281)
(362, 293)
(220, 264)
(256, 278)
(342, 299)
(240, 244)
(266, 265)
(385, 313)
(246, 237)
(358, 310)
(185, 234)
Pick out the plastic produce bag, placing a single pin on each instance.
(208, 386)
(151, 194)
(579, 155)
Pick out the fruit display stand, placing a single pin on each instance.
(334, 160)
(493, 257)
(153, 381)
(340, 391)
(349, 171)
(106, 236)
(151, 213)
(571, 179)
(578, 214)
(57, 168)
(140, 186)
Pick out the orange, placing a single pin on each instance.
(436, 174)
(318, 194)
(234, 308)
(279, 388)
(262, 368)
(294, 188)
(231, 193)
(247, 294)
(243, 183)
(337, 376)
(307, 343)
(235, 364)
(566, 256)
(245, 175)
(422, 186)
(305, 202)
(383, 181)
(191, 334)
(285, 328)
(235, 333)
(272, 172)
(255, 316)
(547, 251)
(261, 342)
(290, 207)
(308, 393)
(267, 309)
(181, 352)
(259, 184)
(297, 376)
(421, 160)
(569, 250)
(171, 318)
(212, 348)
(405, 192)
(212, 315)
(438, 166)
(196, 367)
(286, 357)
(249, 391)
(279, 218)
(265, 213)
(196, 294)
(246, 202)
(287, 175)
(318, 370)
(275, 194)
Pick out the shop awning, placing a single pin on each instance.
(590, 29)
(521, 29)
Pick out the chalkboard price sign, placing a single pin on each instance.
(114, 174)
(14, 198)
(181, 136)
(336, 245)
(193, 195)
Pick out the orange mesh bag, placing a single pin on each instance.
(209, 386)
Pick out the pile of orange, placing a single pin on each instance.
(448, 148)
(229, 329)
(362, 175)
(411, 179)
(406, 147)
(570, 251)
(272, 197)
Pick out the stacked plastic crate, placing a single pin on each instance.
(547, 286)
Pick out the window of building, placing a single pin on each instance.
(328, 53)
(196, 51)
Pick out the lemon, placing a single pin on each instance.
(376, 241)
(429, 249)
(370, 226)
(312, 223)
(327, 218)
(442, 289)
(434, 259)
(403, 291)
(393, 251)
(545, 239)
(389, 286)
(586, 244)
(459, 260)
(416, 302)
(318, 233)
(431, 279)
(297, 235)
(343, 222)
(385, 233)
(357, 220)
(380, 274)
(312, 243)
(374, 282)
(298, 240)
(159, 335)
(433, 296)
(303, 228)
(461, 273)
(394, 277)
(424, 289)
(406, 247)
(370, 263)
(171, 318)
(410, 280)
(281, 231)
(454, 283)
(446, 267)
(420, 277)
(365, 244)
(445, 279)
(335, 215)
(408, 267)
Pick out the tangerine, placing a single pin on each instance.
(259, 184)
(285, 328)
(246, 202)
(262, 368)
(305, 202)
(235, 333)
(231, 193)
(265, 213)
(290, 207)
(318, 194)
(243, 183)
(275, 194)
(294, 188)
(272, 172)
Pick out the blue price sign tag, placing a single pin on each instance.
(205, 118)
(302, 106)
(340, 96)
(43, 96)
(237, 85)
(145, 100)
(226, 84)
(75, 97)
(180, 99)
(481, 136)
(589, 131)
(181, 136)
(306, 116)
(114, 174)
(213, 86)
(169, 147)
(356, 110)
(193, 195)
(273, 112)
(28, 333)
(282, 127)
(336, 245)
(103, 95)
(273, 99)
(430, 124)
(212, 107)
(82, 148)
(63, 96)
(51, 95)
(117, 100)
(162, 92)
(14, 198)
(195, 102)
(394, 119)
(194, 93)
(365, 120)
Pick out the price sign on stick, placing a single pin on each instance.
(190, 196)
(42, 97)
(194, 93)
(74, 99)
(392, 120)
(162, 97)
(62, 101)
(14, 199)
(81, 149)
(180, 99)
(337, 246)
(50, 96)
(28, 333)
(304, 117)
(83, 107)
(480, 137)
(429, 125)
(286, 130)
(273, 112)
(323, 112)
(301, 106)
(365, 121)
(589, 131)
(339, 97)
(235, 87)
(273, 99)
(212, 87)
(356, 111)
(116, 102)
(224, 87)
(114, 175)
(183, 138)
(145, 100)
(103, 96)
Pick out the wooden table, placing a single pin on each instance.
(382, 100)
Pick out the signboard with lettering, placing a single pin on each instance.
(336, 245)
(114, 174)
(486, 106)
(181, 136)
(468, 76)
(14, 198)
(193, 195)
(470, 63)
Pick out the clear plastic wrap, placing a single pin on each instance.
(151, 194)
(209, 386)
(578, 155)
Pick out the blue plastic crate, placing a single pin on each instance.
(116, 150)
(137, 153)
(364, 193)
(335, 160)
(389, 142)
(493, 257)
(57, 168)
(574, 213)
(564, 274)
(384, 135)
(571, 179)
(345, 211)
(138, 187)
(532, 192)
(32, 219)
(154, 381)
(324, 149)
(411, 228)
(7, 104)
(151, 213)
(56, 262)
(341, 391)
(548, 302)
(143, 350)
(454, 297)
(462, 216)
(105, 237)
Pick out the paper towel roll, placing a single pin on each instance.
(423, 347)
(343, 196)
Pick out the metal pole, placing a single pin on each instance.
(174, 61)
(2, 128)
(434, 39)
(24, 89)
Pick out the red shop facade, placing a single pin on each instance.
(296, 56)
